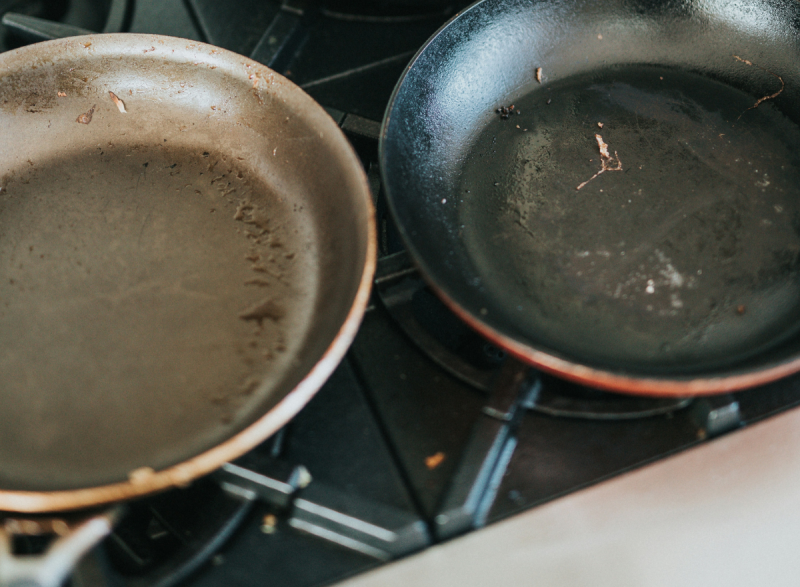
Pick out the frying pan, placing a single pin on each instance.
(187, 246)
(609, 189)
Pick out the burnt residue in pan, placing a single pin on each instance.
(505, 112)
(145, 288)
(86, 117)
(652, 265)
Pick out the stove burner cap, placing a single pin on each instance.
(386, 9)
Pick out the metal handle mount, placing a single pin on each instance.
(74, 537)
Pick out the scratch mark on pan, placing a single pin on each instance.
(141, 230)
(765, 98)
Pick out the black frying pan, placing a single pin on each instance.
(609, 189)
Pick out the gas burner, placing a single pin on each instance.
(31, 21)
(475, 361)
(161, 540)
(387, 10)
(564, 399)
(432, 327)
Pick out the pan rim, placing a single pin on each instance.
(183, 473)
(607, 380)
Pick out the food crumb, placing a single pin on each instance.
(62, 94)
(539, 74)
(434, 460)
(118, 103)
(505, 111)
(86, 117)
(599, 125)
(599, 37)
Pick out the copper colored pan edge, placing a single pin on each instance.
(182, 474)
(618, 382)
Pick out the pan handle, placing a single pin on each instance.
(74, 537)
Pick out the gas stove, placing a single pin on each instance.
(426, 431)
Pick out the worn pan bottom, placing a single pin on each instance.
(186, 249)
(148, 292)
(682, 256)
(679, 278)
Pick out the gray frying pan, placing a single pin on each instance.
(186, 251)
(609, 189)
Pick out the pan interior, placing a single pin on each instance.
(144, 294)
(682, 255)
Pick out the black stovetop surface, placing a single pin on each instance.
(414, 439)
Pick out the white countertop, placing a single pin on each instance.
(724, 513)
